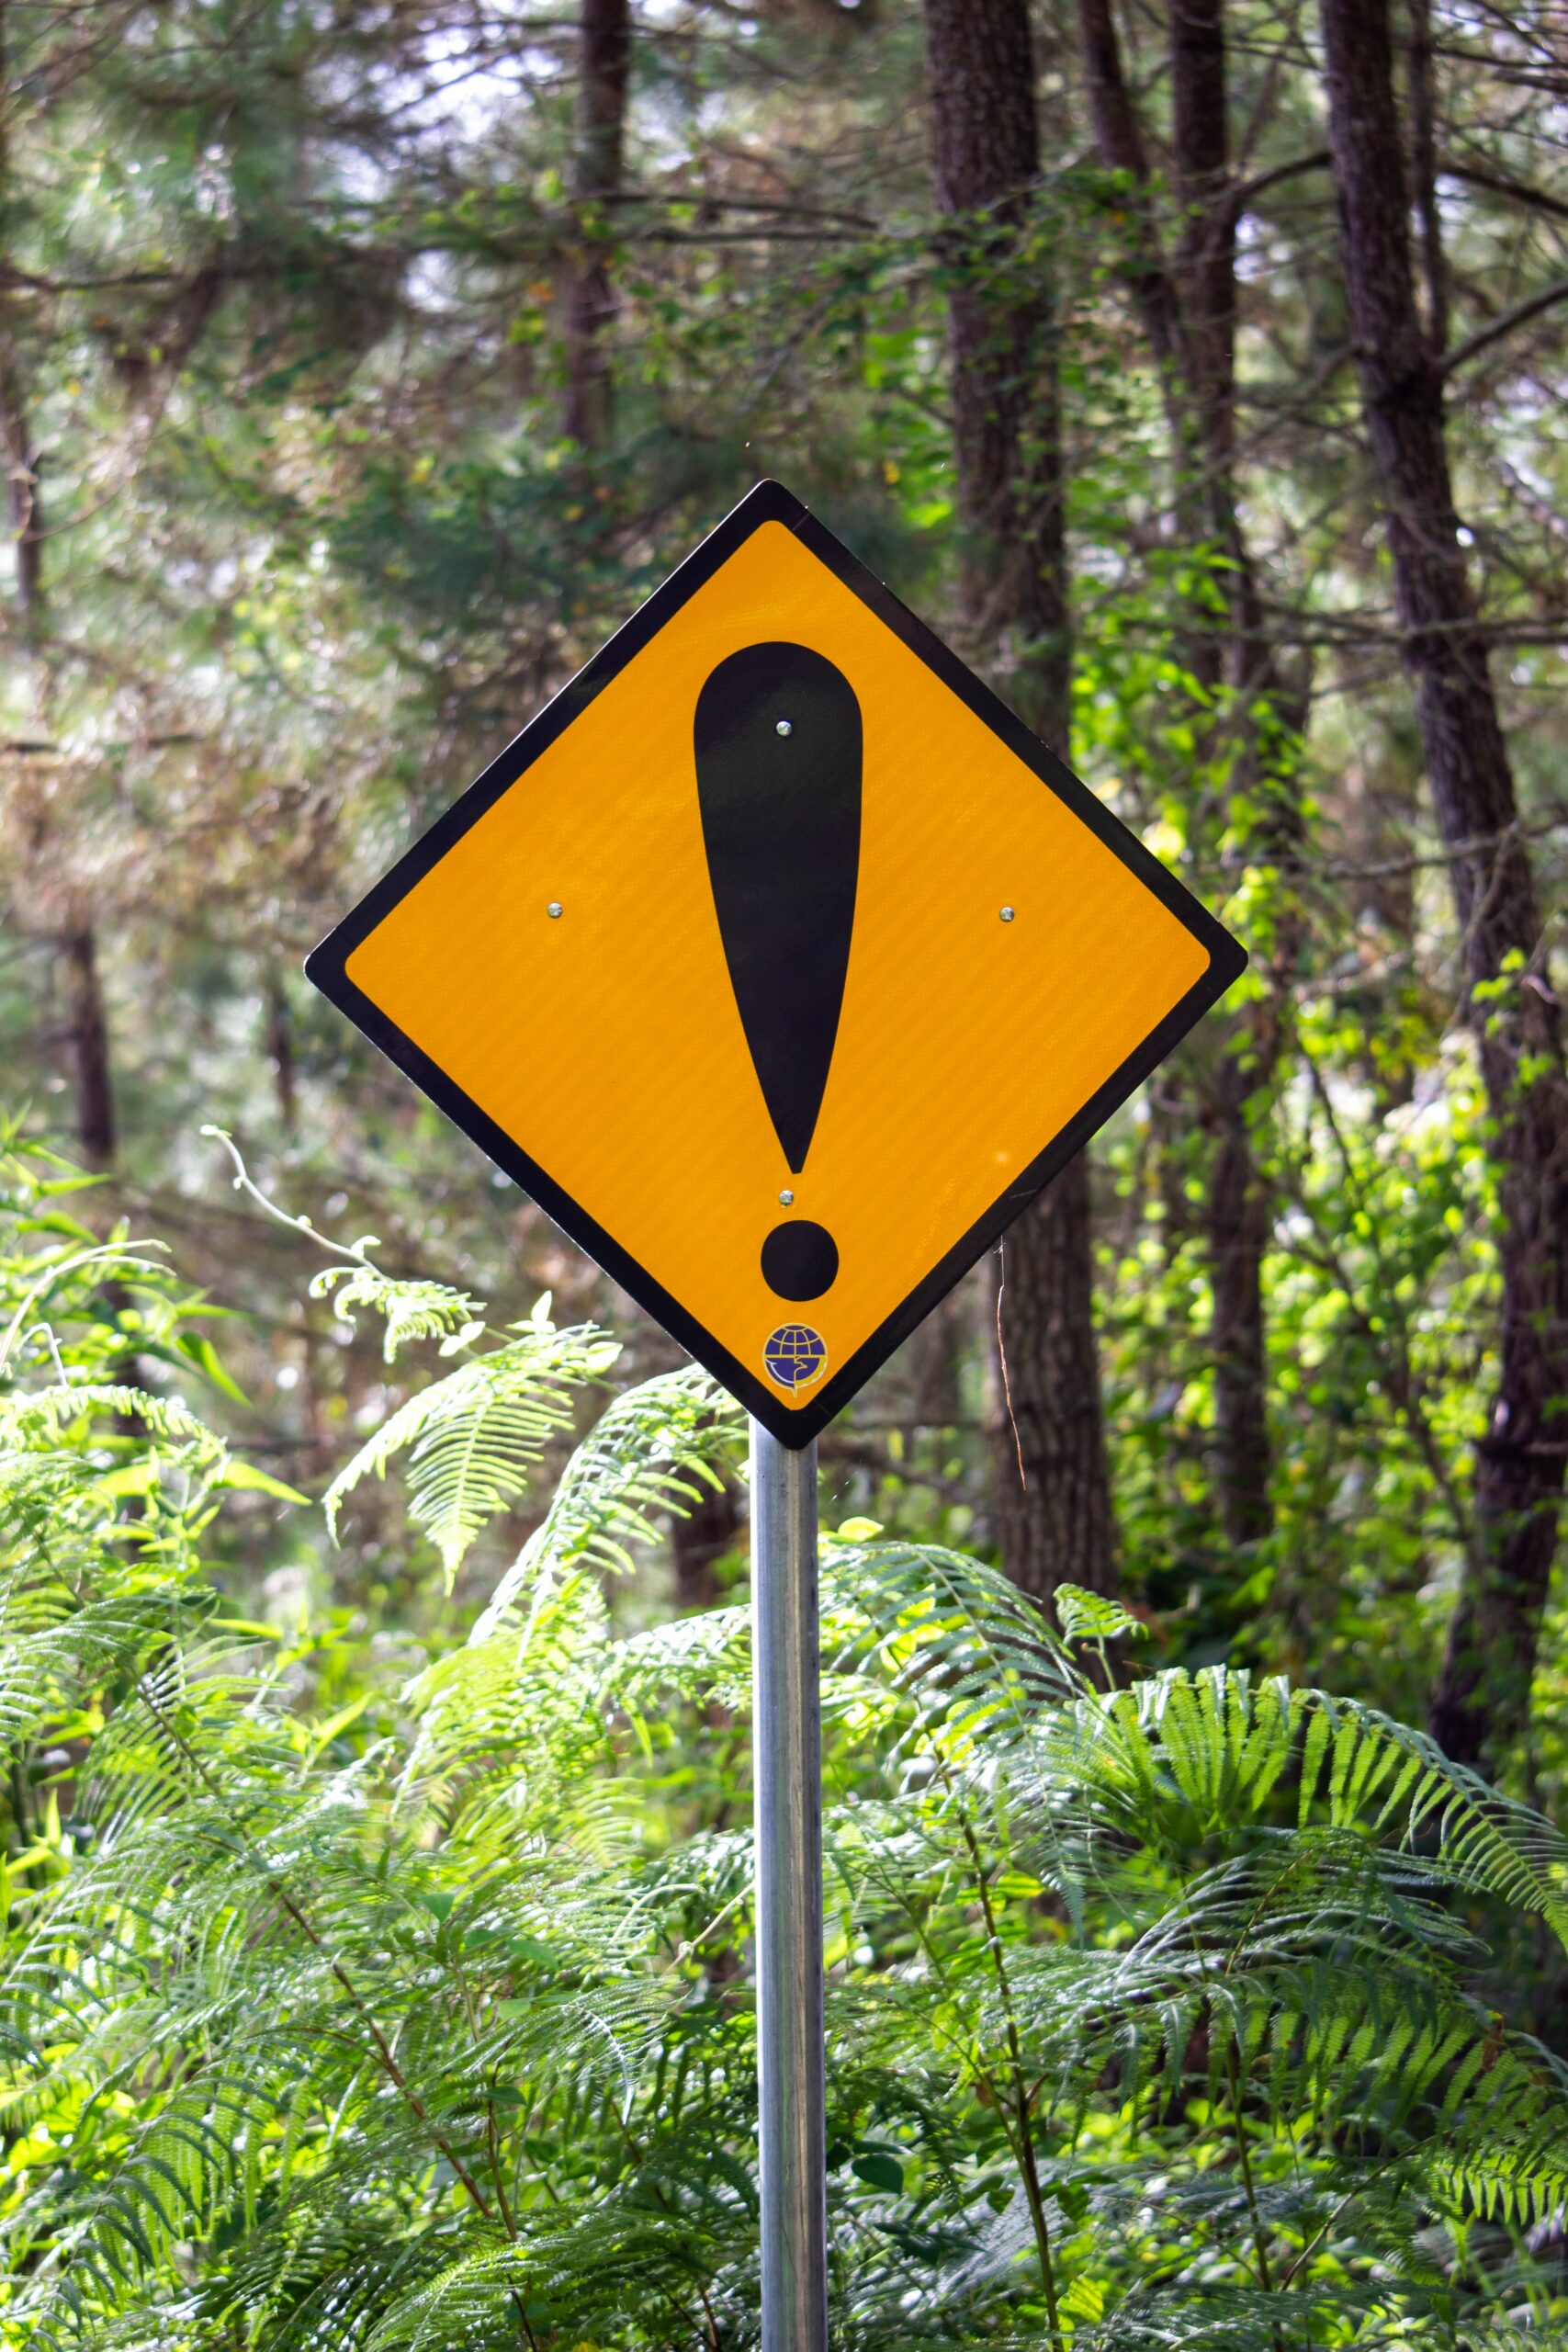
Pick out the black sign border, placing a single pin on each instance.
(326, 966)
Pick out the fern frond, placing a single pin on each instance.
(473, 1438)
(1086, 1616)
(653, 1451)
(1179, 1757)
(39, 1418)
(704, 1659)
(413, 1307)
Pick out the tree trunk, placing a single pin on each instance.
(88, 1032)
(1188, 310)
(20, 461)
(604, 54)
(1237, 1224)
(1424, 170)
(1236, 1219)
(86, 1028)
(1119, 138)
(1053, 1494)
(1055, 1524)
(1205, 253)
(280, 1053)
(1482, 1702)
(17, 452)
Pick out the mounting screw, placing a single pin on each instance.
(786, 1200)
(784, 728)
(1007, 914)
(554, 909)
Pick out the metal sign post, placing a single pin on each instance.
(787, 1771)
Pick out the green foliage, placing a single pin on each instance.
(473, 1438)
(288, 304)
(377, 1961)
(421, 2012)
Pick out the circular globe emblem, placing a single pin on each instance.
(796, 1356)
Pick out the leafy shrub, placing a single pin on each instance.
(421, 2012)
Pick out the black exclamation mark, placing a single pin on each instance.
(778, 749)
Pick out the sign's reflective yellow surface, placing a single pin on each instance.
(549, 964)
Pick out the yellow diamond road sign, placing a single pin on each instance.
(779, 963)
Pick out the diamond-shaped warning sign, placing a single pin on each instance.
(779, 963)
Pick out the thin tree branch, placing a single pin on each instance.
(1501, 184)
(1474, 345)
(1242, 197)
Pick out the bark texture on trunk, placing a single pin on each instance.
(604, 67)
(280, 1052)
(1481, 1701)
(1238, 655)
(18, 454)
(1053, 1494)
(1237, 1222)
(1188, 307)
(20, 461)
(69, 918)
(1006, 399)
(87, 1027)
(1007, 434)
(1205, 252)
(1119, 138)
(1423, 169)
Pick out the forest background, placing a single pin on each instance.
(1196, 367)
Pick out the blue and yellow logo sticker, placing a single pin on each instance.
(796, 1356)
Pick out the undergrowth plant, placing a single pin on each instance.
(421, 2013)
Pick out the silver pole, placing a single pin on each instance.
(787, 1770)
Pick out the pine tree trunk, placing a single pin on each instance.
(1189, 309)
(1205, 253)
(1119, 138)
(1424, 166)
(86, 1025)
(1236, 1206)
(21, 463)
(280, 1053)
(604, 68)
(17, 452)
(1236, 1223)
(1053, 1494)
(1482, 1702)
(1056, 1523)
(88, 1030)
